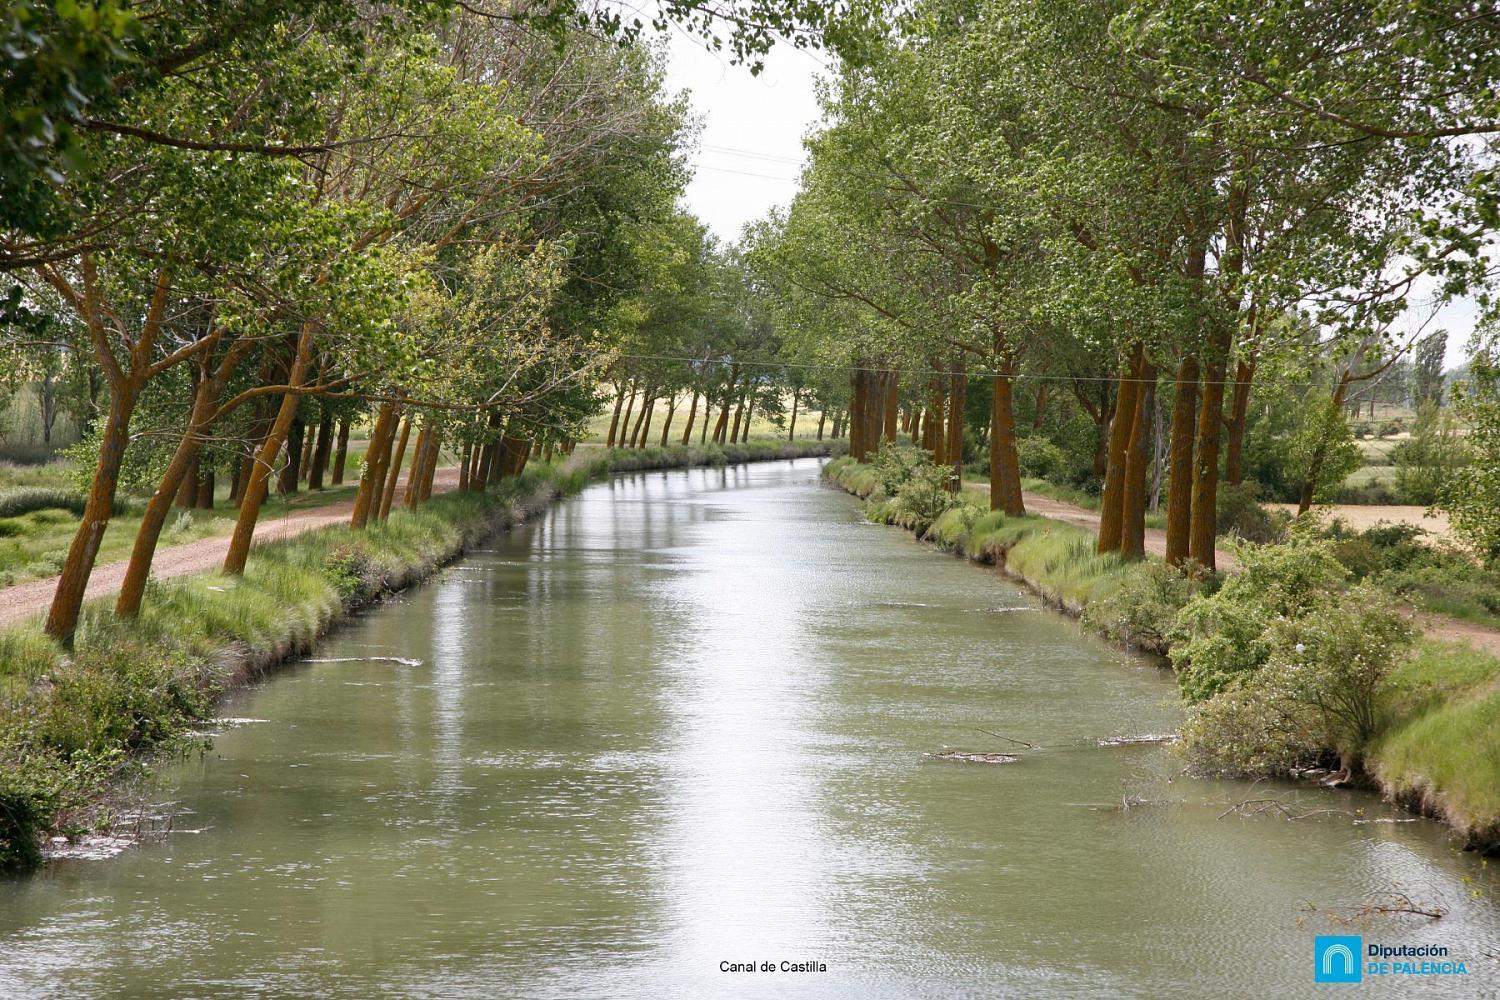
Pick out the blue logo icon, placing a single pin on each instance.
(1337, 958)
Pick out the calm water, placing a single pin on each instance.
(682, 720)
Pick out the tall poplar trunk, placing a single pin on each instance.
(67, 599)
(260, 470)
(1204, 515)
(463, 466)
(625, 420)
(858, 446)
(614, 421)
(305, 459)
(395, 473)
(822, 416)
(1112, 507)
(892, 405)
(739, 414)
(954, 450)
(650, 415)
(321, 452)
(377, 456)
(648, 400)
(791, 434)
(1239, 409)
(342, 453)
(419, 459)
(687, 432)
(1005, 460)
(1137, 464)
(291, 472)
(1180, 460)
(666, 427)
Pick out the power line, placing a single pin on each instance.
(1020, 376)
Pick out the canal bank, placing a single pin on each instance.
(78, 727)
(693, 717)
(1436, 755)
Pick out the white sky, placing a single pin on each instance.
(750, 150)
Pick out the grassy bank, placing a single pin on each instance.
(1435, 745)
(74, 725)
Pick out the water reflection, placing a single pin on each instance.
(682, 720)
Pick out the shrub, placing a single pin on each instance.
(14, 503)
(1041, 459)
(1219, 639)
(1139, 612)
(1247, 732)
(1240, 514)
(1334, 659)
(923, 497)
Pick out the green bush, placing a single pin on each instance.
(1240, 515)
(1219, 639)
(923, 497)
(1041, 459)
(1138, 613)
(14, 503)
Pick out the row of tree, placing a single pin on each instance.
(250, 225)
(1157, 207)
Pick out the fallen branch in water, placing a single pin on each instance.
(1390, 904)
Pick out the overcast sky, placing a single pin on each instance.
(750, 150)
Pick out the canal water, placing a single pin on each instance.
(687, 721)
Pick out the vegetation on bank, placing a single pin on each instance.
(1292, 663)
(72, 723)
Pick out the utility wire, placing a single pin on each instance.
(1019, 376)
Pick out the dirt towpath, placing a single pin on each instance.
(204, 555)
(1486, 640)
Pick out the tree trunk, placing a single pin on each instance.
(1204, 517)
(205, 484)
(1180, 462)
(429, 473)
(954, 450)
(395, 473)
(1137, 464)
(291, 472)
(1005, 460)
(687, 432)
(67, 600)
(648, 400)
(1239, 408)
(650, 415)
(187, 490)
(614, 421)
(305, 459)
(1112, 506)
(321, 452)
(419, 459)
(666, 427)
(822, 416)
(892, 404)
(260, 470)
(791, 434)
(463, 466)
(342, 453)
(625, 420)
(377, 459)
(182, 465)
(739, 415)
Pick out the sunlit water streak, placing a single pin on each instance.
(687, 718)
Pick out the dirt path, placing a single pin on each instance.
(27, 599)
(1480, 637)
(1061, 510)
